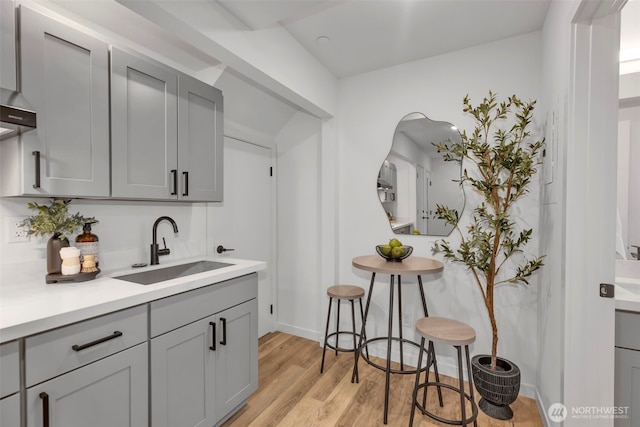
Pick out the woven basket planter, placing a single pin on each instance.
(498, 388)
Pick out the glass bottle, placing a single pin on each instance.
(88, 244)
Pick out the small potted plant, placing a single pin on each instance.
(503, 162)
(54, 220)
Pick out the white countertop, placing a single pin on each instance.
(627, 294)
(28, 305)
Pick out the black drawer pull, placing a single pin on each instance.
(224, 331)
(45, 409)
(77, 347)
(174, 172)
(213, 341)
(186, 183)
(36, 154)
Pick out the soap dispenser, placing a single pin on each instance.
(88, 244)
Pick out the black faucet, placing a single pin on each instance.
(155, 252)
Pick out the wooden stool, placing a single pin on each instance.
(457, 334)
(342, 292)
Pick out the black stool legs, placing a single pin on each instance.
(336, 347)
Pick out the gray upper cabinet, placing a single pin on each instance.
(7, 45)
(64, 76)
(166, 137)
(200, 140)
(144, 135)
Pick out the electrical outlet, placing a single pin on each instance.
(16, 233)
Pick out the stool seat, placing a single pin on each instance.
(345, 292)
(458, 335)
(447, 331)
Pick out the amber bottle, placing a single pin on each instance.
(88, 244)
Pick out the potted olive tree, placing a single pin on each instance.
(502, 162)
(54, 220)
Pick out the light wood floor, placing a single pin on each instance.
(292, 392)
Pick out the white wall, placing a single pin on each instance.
(550, 336)
(124, 230)
(370, 107)
(298, 172)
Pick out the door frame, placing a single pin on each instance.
(241, 134)
(590, 209)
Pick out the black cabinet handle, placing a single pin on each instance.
(213, 341)
(224, 331)
(36, 154)
(45, 409)
(174, 173)
(185, 175)
(76, 347)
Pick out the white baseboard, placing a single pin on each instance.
(299, 332)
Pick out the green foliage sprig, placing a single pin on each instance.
(504, 166)
(54, 219)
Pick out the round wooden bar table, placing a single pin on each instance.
(412, 265)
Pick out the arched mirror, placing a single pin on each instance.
(415, 177)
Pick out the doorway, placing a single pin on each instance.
(243, 221)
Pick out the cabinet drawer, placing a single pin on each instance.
(627, 327)
(9, 369)
(58, 351)
(178, 310)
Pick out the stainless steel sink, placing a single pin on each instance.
(168, 273)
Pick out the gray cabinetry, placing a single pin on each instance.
(200, 140)
(236, 357)
(7, 45)
(10, 384)
(627, 369)
(202, 370)
(64, 76)
(166, 133)
(92, 373)
(144, 139)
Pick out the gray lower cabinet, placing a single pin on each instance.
(166, 132)
(91, 373)
(9, 384)
(627, 387)
(627, 369)
(112, 392)
(64, 76)
(204, 353)
(201, 372)
(236, 357)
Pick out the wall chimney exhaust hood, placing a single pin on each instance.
(16, 116)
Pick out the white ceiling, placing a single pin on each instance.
(366, 35)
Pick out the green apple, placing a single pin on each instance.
(395, 243)
(397, 252)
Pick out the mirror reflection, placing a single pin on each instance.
(415, 178)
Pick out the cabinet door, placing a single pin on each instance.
(200, 141)
(9, 368)
(65, 79)
(10, 411)
(112, 392)
(627, 387)
(182, 376)
(237, 356)
(144, 135)
(7, 45)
